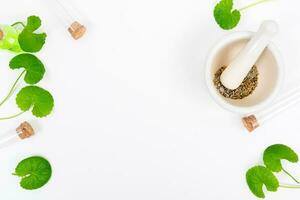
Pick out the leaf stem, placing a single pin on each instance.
(12, 89)
(12, 116)
(290, 186)
(253, 4)
(16, 23)
(287, 173)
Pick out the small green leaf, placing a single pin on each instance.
(275, 153)
(225, 16)
(35, 69)
(257, 177)
(35, 172)
(38, 98)
(30, 41)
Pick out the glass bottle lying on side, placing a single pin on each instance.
(22, 132)
(253, 121)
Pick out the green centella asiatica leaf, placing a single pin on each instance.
(275, 153)
(35, 69)
(30, 41)
(225, 16)
(35, 172)
(260, 176)
(39, 99)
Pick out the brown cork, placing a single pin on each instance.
(1, 34)
(77, 30)
(250, 123)
(25, 130)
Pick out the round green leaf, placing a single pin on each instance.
(35, 172)
(257, 177)
(38, 98)
(35, 69)
(30, 41)
(275, 153)
(225, 16)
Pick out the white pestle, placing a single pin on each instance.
(237, 70)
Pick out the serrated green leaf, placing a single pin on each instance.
(275, 153)
(35, 69)
(225, 16)
(30, 41)
(38, 98)
(257, 177)
(35, 172)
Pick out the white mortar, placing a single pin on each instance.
(270, 68)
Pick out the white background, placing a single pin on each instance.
(133, 119)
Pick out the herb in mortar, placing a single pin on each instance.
(245, 89)
(34, 171)
(227, 17)
(259, 176)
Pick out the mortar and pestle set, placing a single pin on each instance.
(244, 73)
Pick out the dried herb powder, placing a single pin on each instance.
(245, 89)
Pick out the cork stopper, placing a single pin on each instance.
(77, 30)
(1, 34)
(250, 123)
(25, 130)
